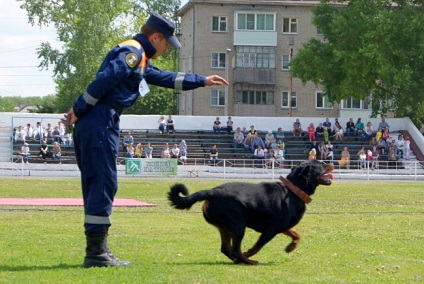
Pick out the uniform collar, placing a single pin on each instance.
(145, 43)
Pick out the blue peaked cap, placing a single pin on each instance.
(165, 27)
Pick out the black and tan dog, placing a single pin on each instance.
(269, 207)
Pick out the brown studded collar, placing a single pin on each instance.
(300, 193)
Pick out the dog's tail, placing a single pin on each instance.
(180, 202)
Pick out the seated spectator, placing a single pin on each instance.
(330, 155)
(229, 125)
(244, 131)
(378, 135)
(61, 130)
(138, 152)
(372, 142)
(381, 146)
(362, 157)
(182, 146)
(311, 132)
(216, 126)
(319, 132)
(56, 152)
(162, 124)
(175, 152)
(213, 155)
(279, 135)
(148, 151)
(270, 161)
(338, 133)
(327, 123)
(19, 135)
(56, 135)
(238, 139)
(183, 152)
(273, 144)
(269, 137)
(407, 148)
(386, 137)
(392, 155)
(38, 132)
(248, 143)
(279, 154)
(369, 159)
(259, 155)
(337, 123)
(170, 124)
(345, 159)
(368, 133)
(257, 141)
(49, 131)
(393, 146)
(383, 125)
(129, 151)
(128, 139)
(44, 150)
(315, 145)
(312, 154)
(350, 127)
(67, 139)
(359, 128)
(25, 153)
(166, 152)
(28, 132)
(297, 128)
(326, 135)
(400, 145)
(252, 130)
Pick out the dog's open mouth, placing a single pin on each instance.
(326, 177)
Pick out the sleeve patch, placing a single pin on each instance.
(131, 59)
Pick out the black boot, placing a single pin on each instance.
(97, 252)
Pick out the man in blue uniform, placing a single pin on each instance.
(95, 115)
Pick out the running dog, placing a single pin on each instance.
(269, 208)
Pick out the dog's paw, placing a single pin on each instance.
(291, 247)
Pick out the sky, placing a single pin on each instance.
(19, 40)
(19, 71)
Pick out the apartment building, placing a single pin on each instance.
(251, 44)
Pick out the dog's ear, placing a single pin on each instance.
(302, 170)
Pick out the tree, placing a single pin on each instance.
(87, 29)
(370, 47)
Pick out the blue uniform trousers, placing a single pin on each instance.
(96, 142)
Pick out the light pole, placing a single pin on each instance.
(227, 55)
(291, 45)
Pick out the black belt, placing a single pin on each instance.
(117, 107)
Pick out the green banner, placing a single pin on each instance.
(151, 166)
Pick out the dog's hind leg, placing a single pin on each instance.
(294, 234)
(237, 237)
(226, 243)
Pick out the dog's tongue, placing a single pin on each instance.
(328, 176)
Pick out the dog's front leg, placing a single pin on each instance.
(294, 234)
(263, 240)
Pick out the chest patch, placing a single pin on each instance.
(131, 59)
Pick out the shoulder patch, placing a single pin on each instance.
(131, 59)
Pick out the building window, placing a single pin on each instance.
(256, 21)
(219, 24)
(351, 103)
(217, 98)
(289, 26)
(255, 56)
(285, 62)
(218, 60)
(254, 97)
(285, 99)
(319, 32)
(322, 101)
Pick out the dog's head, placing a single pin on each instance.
(309, 174)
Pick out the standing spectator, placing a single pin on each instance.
(229, 125)
(25, 153)
(129, 150)
(297, 128)
(216, 126)
(213, 155)
(162, 124)
(114, 88)
(128, 139)
(327, 123)
(56, 152)
(407, 147)
(44, 150)
(350, 127)
(38, 132)
(279, 135)
(383, 125)
(311, 132)
(400, 144)
(19, 135)
(345, 159)
(49, 131)
(362, 157)
(56, 135)
(359, 128)
(319, 132)
(138, 152)
(375, 156)
(322, 150)
(28, 131)
(148, 151)
(369, 159)
(175, 151)
(238, 138)
(170, 124)
(269, 137)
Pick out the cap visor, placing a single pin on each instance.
(174, 42)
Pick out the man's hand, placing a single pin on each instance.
(69, 118)
(215, 80)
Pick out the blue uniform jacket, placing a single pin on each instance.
(119, 76)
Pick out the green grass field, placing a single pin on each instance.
(352, 232)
